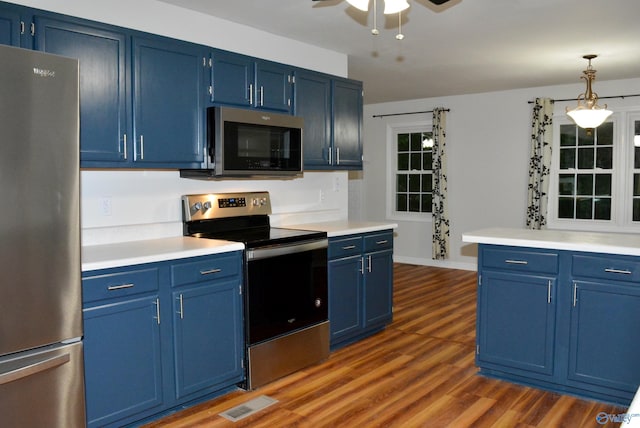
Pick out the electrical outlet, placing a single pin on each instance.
(322, 196)
(105, 206)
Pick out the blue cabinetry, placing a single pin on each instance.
(312, 102)
(360, 285)
(346, 141)
(160, 335)
(560, 320)
(10, 26)
(104, 57)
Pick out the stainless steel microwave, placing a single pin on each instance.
(250, 143)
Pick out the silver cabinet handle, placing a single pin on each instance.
(549, 291)
(210, 271)
(620, 271)
(575, 294)
(181, 312)
(516, 262)
(250, 93)
(124, 145)
(330, 156)
(384, 241)
(261, 95)
(33, 368)
(349, 247)
(157, 317)
(361, 265)
(369, 260)
(337, 155)
(119, 287)
(141, 147)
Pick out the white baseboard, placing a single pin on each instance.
(435, 263)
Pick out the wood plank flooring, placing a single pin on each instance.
(419, 372)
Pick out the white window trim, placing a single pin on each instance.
(621, 180)
(392, 131)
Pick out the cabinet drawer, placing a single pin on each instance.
(339, 248)
(518, 260)
(607, 267)
(119, 284)
(378, 242)
(205, 269)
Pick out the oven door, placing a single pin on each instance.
(286, 289)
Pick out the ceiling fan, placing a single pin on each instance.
(390, 6)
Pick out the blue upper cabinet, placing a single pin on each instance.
(232, 79)
(347, 124)
(273, 86)
(103, 54)
(312, 102)
(10, 25)
(168, 82)
(242, 81)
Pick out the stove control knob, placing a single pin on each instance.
(255, 202)
(207, 205)
(196, 207)
(318, 303)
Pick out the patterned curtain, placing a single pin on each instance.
(440, 213)
(540, 163)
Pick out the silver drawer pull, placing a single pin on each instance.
(210, 271)
(119, 287)
(349, 247)
(624, 272)
(516, 262)
(384, 241)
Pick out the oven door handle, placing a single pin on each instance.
(282, 250)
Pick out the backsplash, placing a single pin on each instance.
(130, 205)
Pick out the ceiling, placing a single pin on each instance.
(461, 47)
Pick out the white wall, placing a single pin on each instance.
(488, 139)
(121, 205)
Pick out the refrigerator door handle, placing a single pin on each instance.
(33, 368)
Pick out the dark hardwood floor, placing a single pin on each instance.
(419, 372)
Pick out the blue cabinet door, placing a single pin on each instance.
(208, 336)
(168, 103)
(347, 124)
(378, 292)
(232, 77)
(122, 360)
(273, 86)
(516, 322)
(312, 102)
(103, 56)
(345, 297)
(605, 341)
(9, 27)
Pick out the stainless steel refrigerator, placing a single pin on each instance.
(41, 368)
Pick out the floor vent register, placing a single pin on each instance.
(249, 408)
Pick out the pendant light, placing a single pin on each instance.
(588, 114)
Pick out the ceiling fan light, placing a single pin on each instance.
(394, 6)
(589, 118)
(359, 4)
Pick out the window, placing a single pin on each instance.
(595, 177)
(412, 149)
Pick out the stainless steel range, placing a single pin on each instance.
(285, 287)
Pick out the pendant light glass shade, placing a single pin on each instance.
(589, 117)
(359, 4)
(394, 6)
(588, 114)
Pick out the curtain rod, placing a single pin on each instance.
(410, 112)
(600, 98)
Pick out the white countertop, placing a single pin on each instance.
(598, 242)
(345, 227)
(152, 250)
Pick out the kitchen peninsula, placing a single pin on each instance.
(560, 310)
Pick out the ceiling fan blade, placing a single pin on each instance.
(438, 2)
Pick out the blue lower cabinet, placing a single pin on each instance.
(360, 286)
(560, 320)
(153, 341)
(122, 360)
